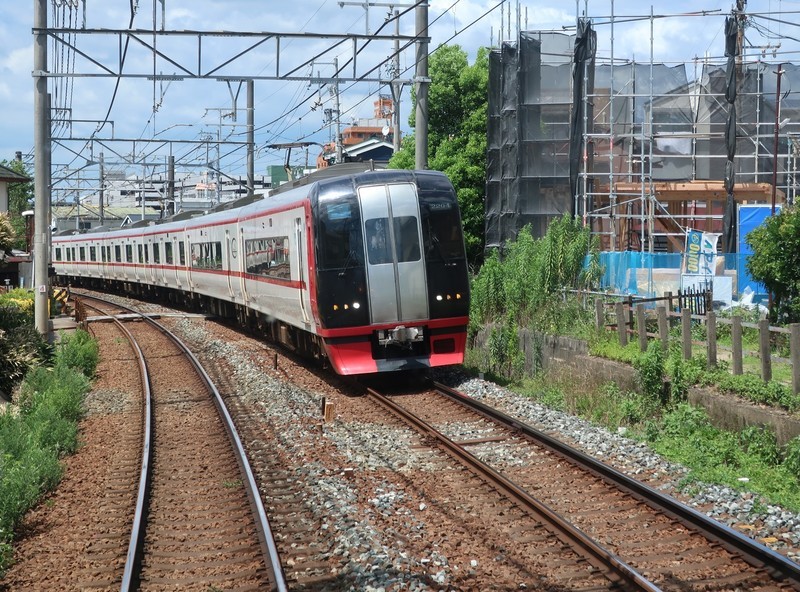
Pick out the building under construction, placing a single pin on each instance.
(643, 152)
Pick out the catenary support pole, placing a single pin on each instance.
(422, 81)
(41, 139)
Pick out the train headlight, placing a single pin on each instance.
(458, 296)
(335, 307)
(346, 306)
(439, 297)
(448, 297)
(356, 305)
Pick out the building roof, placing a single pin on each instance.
(11, 176)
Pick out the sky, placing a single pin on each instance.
(293, 111)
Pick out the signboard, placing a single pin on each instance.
(700, 255)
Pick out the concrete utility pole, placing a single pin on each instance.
(41, 138)
(251, 154)
(102, 205)
(397, 87)
(422, 82)
(339, 147)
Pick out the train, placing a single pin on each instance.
(364, 270)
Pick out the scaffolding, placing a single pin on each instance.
(650, 159)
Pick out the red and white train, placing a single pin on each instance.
(367, 270)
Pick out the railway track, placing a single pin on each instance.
(198, 522)
(663, 542)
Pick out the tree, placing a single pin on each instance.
(20, 198)
(457, 100)
(775, 262)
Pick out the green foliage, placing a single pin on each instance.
(527, 282)
(458, 100)
(20, 198)
(753, 388)
(791, 456)
(8, 235)
(79, 351)
(46, 428)
(21, 346)
(650, 372)
(760, 442)
(505, 356)
(776, 261)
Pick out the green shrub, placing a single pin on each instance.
(78, 351)
(761, 443)
(61, 388)
(650, 371)
(791, 456)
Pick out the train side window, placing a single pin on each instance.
(117, 254)
(141, 257)
(168, 252)
(69, 254)
(147, 254)
(74, 258)
(58, 254)
(82, 253)
(129, 253)
(92, 253)
(181, 253)
(156, 253)
(268, 257)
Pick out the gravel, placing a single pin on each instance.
(774, 526)
(372, 560)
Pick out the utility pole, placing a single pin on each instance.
(775, 143)
(102, 204)
(397, 87)
(339, 150)
(41, 137)
(251, 176)
(422, 81)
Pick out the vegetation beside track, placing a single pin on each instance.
(523, 289)
(42, 428)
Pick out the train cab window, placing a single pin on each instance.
(168, 252)
(181, 253)
(92, 253)
(340, 241)
(156, 253)
(117, 254)
(58, 254)
(378, 241)
(82, 253)
(129, 253)
(406, 238)
(441, 229)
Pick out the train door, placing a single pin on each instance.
(395, 266)
(299, 237)
(232, 255)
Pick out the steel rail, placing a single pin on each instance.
(620, 573)
(753, 552)
(263, 528)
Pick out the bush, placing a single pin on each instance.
(78, 351)
(650, 372)
(761, 443)
(791, 456)
(32, 441)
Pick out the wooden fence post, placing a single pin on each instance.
(711, 338)
(671, 305)
(764, 350)
(686, 332)
(630, 311)
(663, 327)
(599, 314)
(622, 328)
(736, 344)
(641, 326)
(794, 346)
